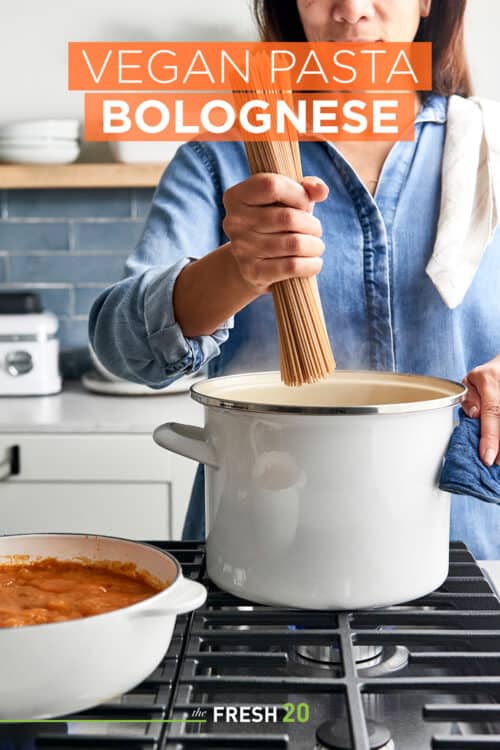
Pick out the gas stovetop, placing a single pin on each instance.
(422, 675)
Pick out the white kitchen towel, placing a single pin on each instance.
(470, 195)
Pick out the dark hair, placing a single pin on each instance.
(279, 21)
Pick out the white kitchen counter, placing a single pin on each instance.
(76, 410)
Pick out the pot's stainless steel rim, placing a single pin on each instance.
(373, 409)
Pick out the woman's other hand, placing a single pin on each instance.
(483, 402)
(273, 234)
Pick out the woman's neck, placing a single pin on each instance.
(367, 158)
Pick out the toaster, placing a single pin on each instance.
(29, 347)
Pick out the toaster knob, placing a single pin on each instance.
(18, 363)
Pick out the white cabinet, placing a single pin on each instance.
(133, 511)
(118, 484)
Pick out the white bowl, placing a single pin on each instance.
(40, 153)
(41, 128)
(159, 152)
(58, 668)
(41, 141)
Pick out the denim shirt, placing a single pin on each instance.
(381, 309)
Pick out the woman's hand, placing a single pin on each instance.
(483, 401)
(273, 234)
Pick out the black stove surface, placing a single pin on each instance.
(236, 675)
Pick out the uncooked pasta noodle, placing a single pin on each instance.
(305, 352)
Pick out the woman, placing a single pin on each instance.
(196, 289)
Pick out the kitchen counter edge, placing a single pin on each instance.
(76, 410)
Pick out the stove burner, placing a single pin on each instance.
(336, 735)
(331, 654)
(371, 661)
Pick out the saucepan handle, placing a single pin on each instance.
(186, 440)
(186, 596)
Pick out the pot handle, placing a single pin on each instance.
(186, 440)
(188, 595)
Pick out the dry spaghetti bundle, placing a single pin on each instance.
(305, 352)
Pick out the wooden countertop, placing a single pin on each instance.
(89, 175)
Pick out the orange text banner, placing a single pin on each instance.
(228, 117)
(224, 66)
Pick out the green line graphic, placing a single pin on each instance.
(105, 721)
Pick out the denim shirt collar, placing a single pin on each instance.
(433, 109)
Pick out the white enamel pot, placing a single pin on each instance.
(59, 668)
(323, 496)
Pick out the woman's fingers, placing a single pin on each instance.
(485, 381)
(273, 234)
(489, 445)
(270, 220)
(316, 189)
(472, 402)
(266, 188)
(271, 246)
(268, 272)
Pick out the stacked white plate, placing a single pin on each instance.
(40, 142)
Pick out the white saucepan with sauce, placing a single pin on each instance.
(58, 668)
(326, 495)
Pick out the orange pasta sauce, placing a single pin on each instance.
(51, 590)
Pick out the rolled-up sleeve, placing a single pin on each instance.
(132, 326)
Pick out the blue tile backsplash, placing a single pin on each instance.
(59, 268)
(68, 245)
(70, 204)
(106, 235)
(22, 235)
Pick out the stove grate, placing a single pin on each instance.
(233, 654)
(237, 650)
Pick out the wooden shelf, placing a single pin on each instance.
(112, 175)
